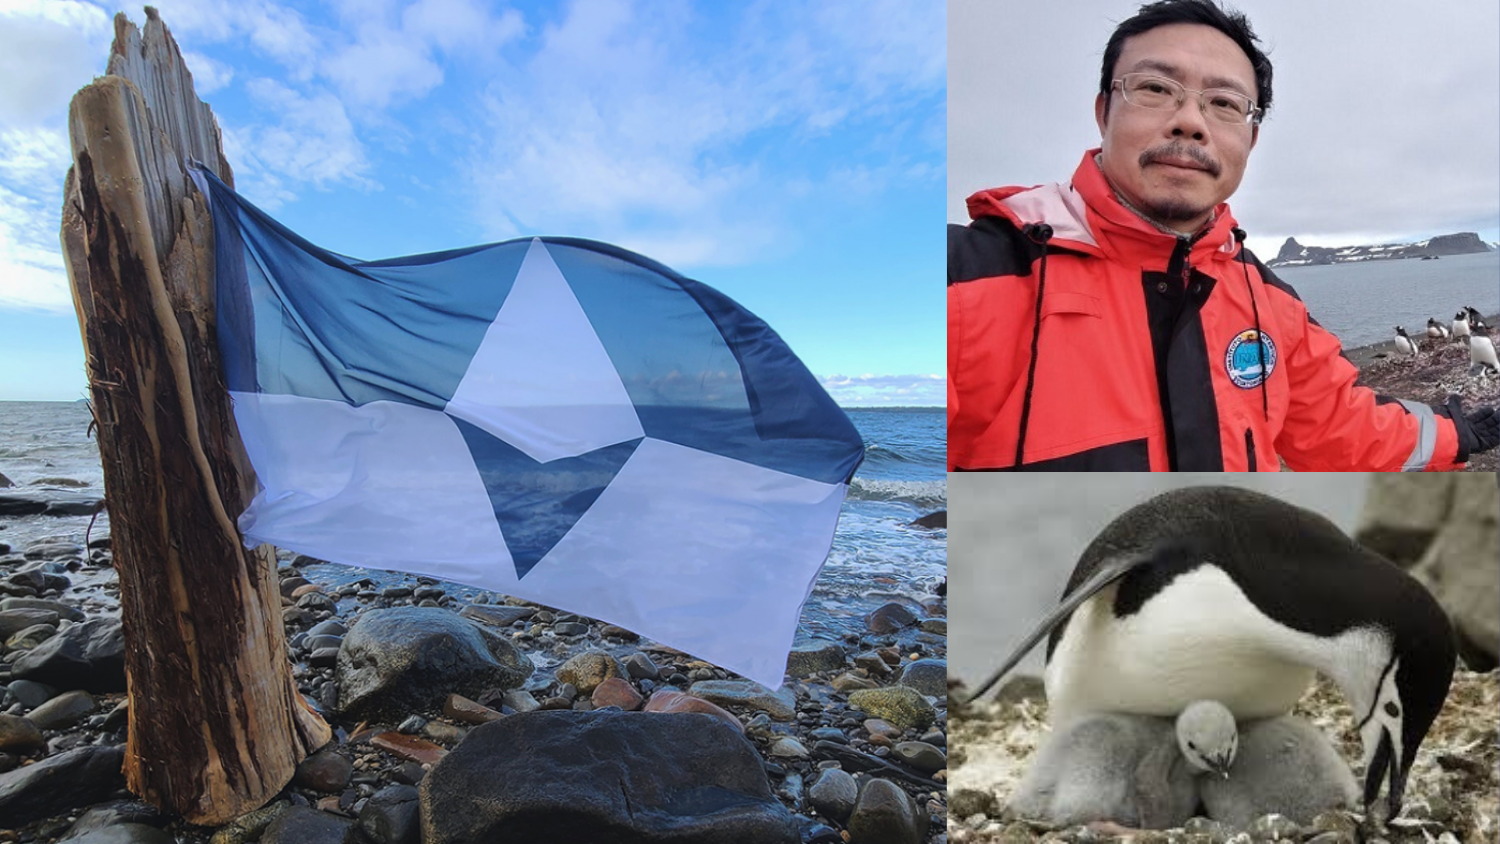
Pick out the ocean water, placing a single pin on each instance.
(1362, 303)
(877, 556)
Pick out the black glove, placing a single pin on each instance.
(1478, 431)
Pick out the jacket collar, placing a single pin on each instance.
(1086, 215)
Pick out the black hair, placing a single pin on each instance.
(1205, 12)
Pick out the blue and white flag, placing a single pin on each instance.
(555, 419)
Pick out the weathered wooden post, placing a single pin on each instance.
(216, 724)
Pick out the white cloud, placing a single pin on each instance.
(31, 269)
(314, 142)
(209, 75)
(619, 125)
(461, 25)
(382, 67)
(887, 390)
(48, 50)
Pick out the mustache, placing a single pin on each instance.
(1193, 154)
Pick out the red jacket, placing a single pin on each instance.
(1149, 355)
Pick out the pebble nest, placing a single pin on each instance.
(1452, 795)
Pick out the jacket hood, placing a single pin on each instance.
(1086, 215)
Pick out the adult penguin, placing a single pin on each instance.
(1226, 594)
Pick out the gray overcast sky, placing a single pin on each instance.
(1385, 124)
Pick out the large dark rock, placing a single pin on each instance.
(303, 825)
(402, 659)
(391, 816)
(87, 656)
(125, 833)
(604, 777)
(59, 783)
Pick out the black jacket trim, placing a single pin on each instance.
(1130, 456)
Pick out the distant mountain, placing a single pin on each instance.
(1294, 254)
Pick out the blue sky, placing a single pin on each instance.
(788, 154)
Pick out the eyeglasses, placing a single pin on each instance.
(1160, 93)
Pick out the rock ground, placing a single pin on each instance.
(798, 732)
(1441, 369)
(1453, 794)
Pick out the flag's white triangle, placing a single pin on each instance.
(541, 379)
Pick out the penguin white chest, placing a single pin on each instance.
(1199, 637)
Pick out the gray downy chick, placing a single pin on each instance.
(1134, 770)
(1284, 765)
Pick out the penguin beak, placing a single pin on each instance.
(1220, 765)
(1385, 765)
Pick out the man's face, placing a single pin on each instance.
(1175, 165)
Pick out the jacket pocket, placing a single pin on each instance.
(1250, 448)
(1065, 302)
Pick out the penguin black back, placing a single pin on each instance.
(1296, 565)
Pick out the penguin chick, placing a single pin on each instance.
(1208, 736)
(1404, 344)
(1284, 765)
(1482, 353)
(1113, 767)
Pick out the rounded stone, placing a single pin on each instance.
(396, 661)
(587, 670)
(65, 710)
(325, 771)
(834, 794)
(885, 814)
(812, 656)
(788, 748)
(902, 706)
(641, 667)
(20, 736)
(890, 618)
(616, 691)
(928, 676)
(921, 755)
(967, 802)
(1274, 827)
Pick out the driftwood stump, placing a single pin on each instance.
(217, 726)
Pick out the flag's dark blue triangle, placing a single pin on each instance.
(536, 504)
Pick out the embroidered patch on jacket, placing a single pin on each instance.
(1243, 358)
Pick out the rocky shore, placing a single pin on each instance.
(457, 713)
(1440, 369)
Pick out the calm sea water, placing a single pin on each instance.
(877, 557)
(1363, 303)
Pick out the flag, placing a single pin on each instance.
(555, 419)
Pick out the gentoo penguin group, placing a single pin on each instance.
(1283, 765)
(1476, 321)
(1460, 326)
(1482, 353)
(1404, 344)
(1218, 593)
(1135, 770)
(1436, 330)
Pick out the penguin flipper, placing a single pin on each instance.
(1106, 573)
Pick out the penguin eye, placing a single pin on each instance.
(1392, 709)
(1192, 746)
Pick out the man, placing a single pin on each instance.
(1116, 323)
